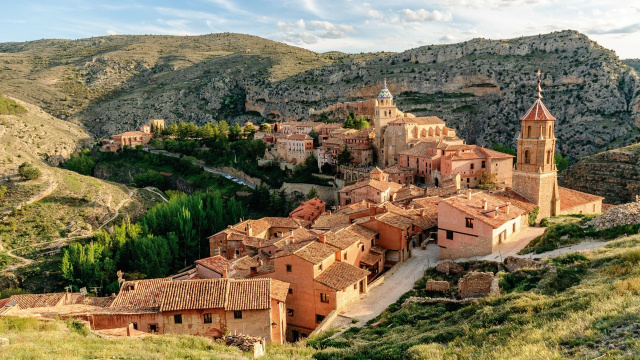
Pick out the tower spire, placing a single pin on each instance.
(539, 89)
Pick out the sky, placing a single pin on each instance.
(351, 26)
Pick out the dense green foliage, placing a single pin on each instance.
(562, 163)
(82, 162)
(28, 171)
(503, 149)
(3, 191)
(10, 107)
(533, 215)
(344, 157)
(355, 123)
(169, 237)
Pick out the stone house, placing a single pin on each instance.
(376, 191)
(294, 148)
(207, 307)
(309, 210)
(474, 224)
(132, 138)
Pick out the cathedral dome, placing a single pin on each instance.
(384, 93)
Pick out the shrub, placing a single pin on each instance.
(533, 216)
(3, 191)
(28, 171)
(10, 107)
(82, 163)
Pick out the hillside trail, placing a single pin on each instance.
(157, 192)
(374, 302)
(63, 240)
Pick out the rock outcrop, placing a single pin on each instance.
(625, 214)
(613, 174)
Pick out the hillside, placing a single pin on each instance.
(41, 215)
(634, 63)
(481, 87)
(613, 174)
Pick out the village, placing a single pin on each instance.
(410, 189)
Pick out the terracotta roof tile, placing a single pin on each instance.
(570, 198)
(340, 275)
(328, 221)
(475, 208)
(371, 259)
(315, 252)
(194, 294)
(254, 294)
(28, 301)
(216, 263)
(141, 294)
(538, 112)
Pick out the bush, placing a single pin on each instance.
(150, 178)
(533, 216)
(10, 107)
(3, 191)
(82, 163)
(28, 171)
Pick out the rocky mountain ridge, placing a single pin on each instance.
(481, 87)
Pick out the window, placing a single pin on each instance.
(372, 243)
(484, 164)
(207, 318)
(514, 227)
(471, 166)
(529, 131)
(449, 235)
(289, 312)
(290, 291)
(324, 298)
(319, 318)
(288, 268)
(135, 326)
(361, 248)
(527, 157)
(320, 267)
(237, 314)
(469, 222)
(153, 328)
(177, 319)
(345, 256)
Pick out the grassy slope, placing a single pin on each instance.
(77, 203)
(35, 339)
(577, 311)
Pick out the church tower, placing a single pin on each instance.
(386, 111)
(535, 175)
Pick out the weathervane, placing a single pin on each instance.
(539, 89)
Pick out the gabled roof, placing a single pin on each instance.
(28, 301)
(141, 294)
(328, 221)
(474, 208)
(194, 294)
(395, 220)
(216, 263)
(315, 252)
(571, 198)
(423, 120)
(376, 184)
(538, 112)
(340, 275)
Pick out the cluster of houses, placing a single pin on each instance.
(280, 278)
(133, 138)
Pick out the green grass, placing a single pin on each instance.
(32, 338)
(575, 308)
(10, 107)
(570, 230)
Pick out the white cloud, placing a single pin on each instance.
(111, 32)
(422, 15)
(375, 14)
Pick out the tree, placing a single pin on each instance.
(81, 163)
(171, 129)
(562, 163)
(316, 136)
(344, 157)
(249, 129)
(313, 193)
(349, 123)
(28, 171)
(224, 126)
(360, 123)
(235, 132)
(265, 128)
(487, 180)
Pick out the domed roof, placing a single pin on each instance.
(384, 93)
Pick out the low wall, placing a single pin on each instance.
(381, 278)
(325, 324)
(239, 174)
(325, 193)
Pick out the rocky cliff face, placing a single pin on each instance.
(613, 174)
(481, 87)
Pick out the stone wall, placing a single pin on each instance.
(325, 193)
(441, 286)
(478, 284)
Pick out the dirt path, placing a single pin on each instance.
(157, 192)
(64, 240)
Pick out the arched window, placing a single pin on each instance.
(430, 132)
(541, 131)
(529, 131)
(548, 156)
(437, 131)
(415, 132)
(423, 133)
(550, 132)
(527, 156)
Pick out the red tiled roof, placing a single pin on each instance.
(424, 120)
(254, 294)
(329, 221)
(315, 252)
(194, 294)
(141, 294)
(475, 208)
(28, 301)
(279, 290)
(376, 184)
(308, 210)
(216, 263)
(571, 198)
(370, 259)
(538, 112)
(340, 275)
(395, 220)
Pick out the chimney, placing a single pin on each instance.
(321, 238)
(423, 212)
(260, 262)
(468, 194)
(329, 212)
(508, 207)
(225, 272)
(130, 329)
(495, 213)
(249, 228)
(484, 204)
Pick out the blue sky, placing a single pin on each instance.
(324, 25)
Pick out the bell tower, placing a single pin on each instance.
(535, 175)
(385, 112)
